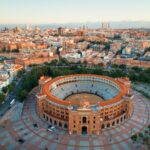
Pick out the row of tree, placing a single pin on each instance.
(2, 97)
(31, 79)
(7, 50)
(135, 73)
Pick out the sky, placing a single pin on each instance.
(70, 11)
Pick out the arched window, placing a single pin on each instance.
(84, 119)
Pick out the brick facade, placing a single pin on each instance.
(85, 118)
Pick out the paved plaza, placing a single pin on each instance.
(39, 138)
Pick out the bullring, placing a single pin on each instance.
(84, 103)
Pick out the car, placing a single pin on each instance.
(51, 128)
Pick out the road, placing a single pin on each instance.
(6, 106)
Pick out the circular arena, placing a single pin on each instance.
(84, 103)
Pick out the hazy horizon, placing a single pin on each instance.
(72, 11)
(113, 25)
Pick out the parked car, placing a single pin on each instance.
(51, 128)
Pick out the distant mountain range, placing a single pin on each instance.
(115, 25)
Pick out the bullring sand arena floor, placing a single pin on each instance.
(39, 138)
(77, 98)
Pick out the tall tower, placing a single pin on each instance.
(105, 25)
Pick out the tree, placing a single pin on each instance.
(134, 137)
(146, 141)
(141, 135)
(31, 79)
(5, 89)
(11, 87)
(4, 49)
(123, 66)
(2, 97)
(20, 73)
(33, 65)
(137, 69)
(64, 61)
(22, 95)
(15, 50)
(115, 66)
(145, 77)
(107, 46)
(101, 64)
(54, 62)
(98, 71)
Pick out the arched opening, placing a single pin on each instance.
(84, 130)
(55, 122)
(108, 125)
(60, 124)
(65, 126)
(50, 120)
(121, 119)
(113, 123)
(84, 119)
(103, 126)
(117, 121)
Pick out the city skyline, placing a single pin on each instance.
(74, 74)
(69, 11)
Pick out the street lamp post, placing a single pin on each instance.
(110, 137)
(57, 136)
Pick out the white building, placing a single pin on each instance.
(4, 79)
